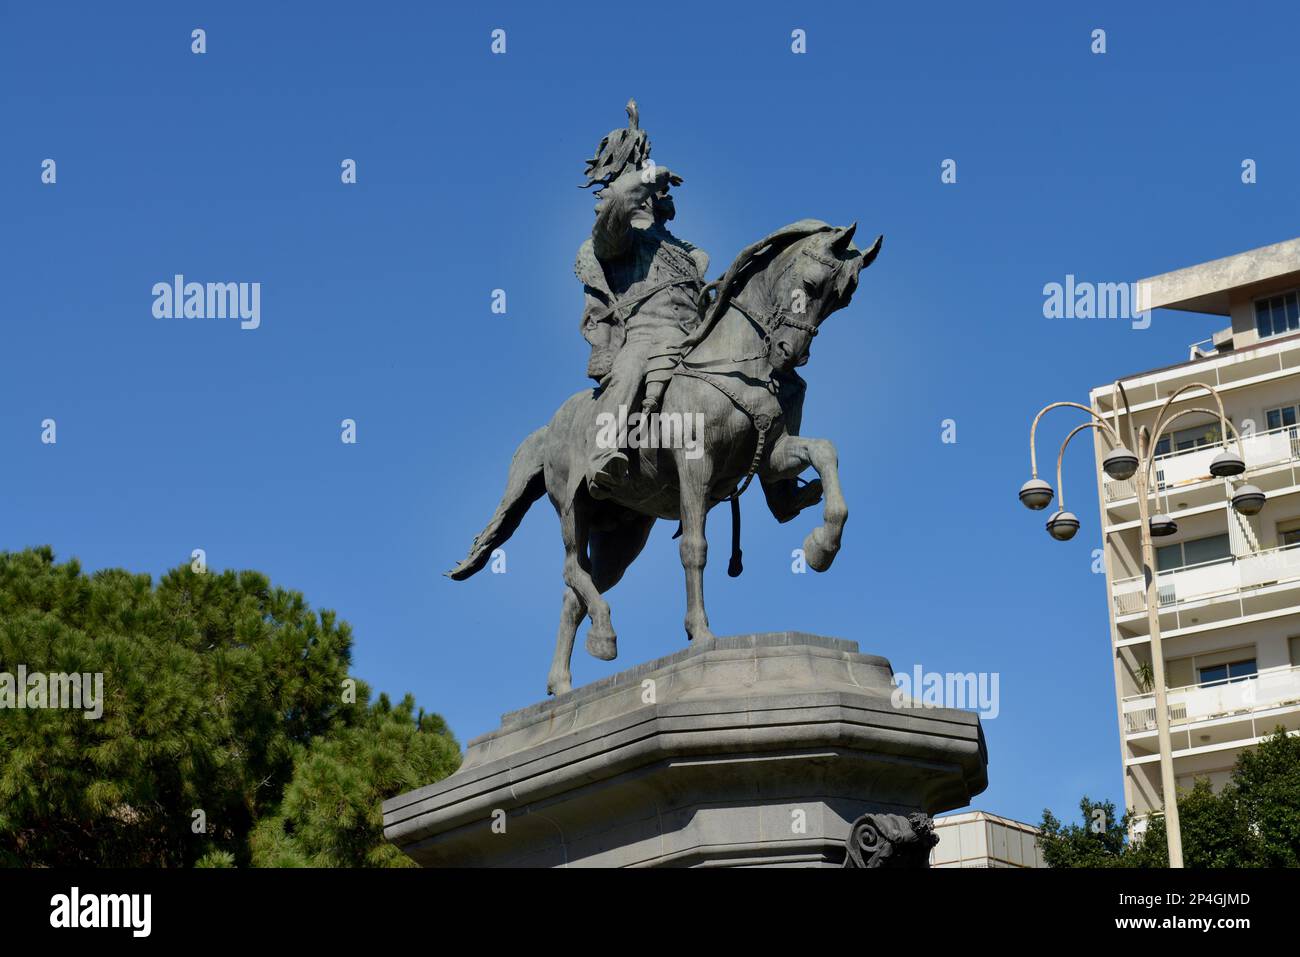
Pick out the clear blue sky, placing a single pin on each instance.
(175, 435)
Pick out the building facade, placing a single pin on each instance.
(1228, 585)
(980, 839)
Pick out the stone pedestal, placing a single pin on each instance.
(761, 750)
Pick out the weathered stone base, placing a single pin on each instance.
(761, 750)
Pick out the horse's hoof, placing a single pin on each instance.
(602, 645)
(700, 637)
(818, 555)
(559, 686)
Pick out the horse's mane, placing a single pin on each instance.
(751, 261)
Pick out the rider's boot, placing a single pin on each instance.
(654, 391)
(609, 466)
(608, 475)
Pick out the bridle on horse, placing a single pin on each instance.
(766, 322)
(762, 421)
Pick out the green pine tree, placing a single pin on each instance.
(225, 706)
(330, 814)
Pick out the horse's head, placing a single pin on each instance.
(817, 277)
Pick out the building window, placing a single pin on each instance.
(1288, 533)
(1191, 438)
(1233, 671)
(1277, 314)
(1280, 417)
(1198, 551)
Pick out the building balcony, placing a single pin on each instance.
(1184, 477)
(1258, 583)
(1225, 710)
(1264, 361)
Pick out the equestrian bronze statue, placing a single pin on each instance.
(697, 395)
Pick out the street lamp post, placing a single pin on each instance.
(1121, 464)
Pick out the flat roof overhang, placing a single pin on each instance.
(1208, 287)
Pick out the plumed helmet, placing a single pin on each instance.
(619, 150)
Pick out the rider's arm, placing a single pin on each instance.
(619, 200)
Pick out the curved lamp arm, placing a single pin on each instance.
(1118, 387)
(1151, 461)
(1060, 486)
(1033, 429)
(1162, 422)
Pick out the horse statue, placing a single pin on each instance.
(737, 377)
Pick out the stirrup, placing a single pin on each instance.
(612, 473)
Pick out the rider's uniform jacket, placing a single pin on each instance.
(640, 284)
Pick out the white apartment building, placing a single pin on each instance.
(1228, 585)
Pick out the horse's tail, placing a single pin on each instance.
(524, 486)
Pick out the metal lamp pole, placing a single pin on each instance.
(1121, 464)
(1168, 786)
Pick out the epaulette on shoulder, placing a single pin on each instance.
(588, 268)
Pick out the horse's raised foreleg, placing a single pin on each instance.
(560, 679)
(790, 456)
(693, 481)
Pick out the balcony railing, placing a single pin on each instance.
(1191, 466)
(1224, 577)
(1270, 688)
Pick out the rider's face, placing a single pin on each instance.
(656, 209)
(643, 216)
